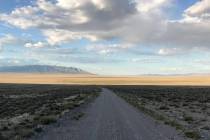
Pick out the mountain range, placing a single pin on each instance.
(41, 69)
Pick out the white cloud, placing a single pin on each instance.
(57, 36)
(202, 62)
(199, 8)
(8, 40)
(71, 3)
(172, 69)
(46, 6)
(198, 13)
(11, 61)
(94, 19)
(20, 17)
(148, 5)
(193, 30)
(133, 21)
(145, 60)
(170, 51)
(107, 49)
(36, 45)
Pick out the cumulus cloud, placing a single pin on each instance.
(171, 51)
(142, 22)
(11, 61)
(145, 60)
(198, 13)
(172, 69)
(23, 17)
(199, 8)
(36, 45)
(58, 36)
(108, 49)
(64, 20)
(148, 5)
(193, 30)
(8, 40)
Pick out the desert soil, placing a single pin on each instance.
(187, 108)
(26, 109)
(102, 80)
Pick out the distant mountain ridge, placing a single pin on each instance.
(41, 69)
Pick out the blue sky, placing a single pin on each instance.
(107, 36)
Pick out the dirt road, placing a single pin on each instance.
(110, 118)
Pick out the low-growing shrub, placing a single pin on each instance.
(47, 120)
(193, 135)
(2, 137)
(38, 129)
(25, 132)
(188, 119)
(163, 108)
(78, 116)
(206, 127)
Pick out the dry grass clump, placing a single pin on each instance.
(185, 108)
(25, 109)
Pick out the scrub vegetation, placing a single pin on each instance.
(26, 109)
(185, 108)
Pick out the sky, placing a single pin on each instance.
(107, 37)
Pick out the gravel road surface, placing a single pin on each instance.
(109, 118)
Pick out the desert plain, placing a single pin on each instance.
(36, 78)
(44, 106)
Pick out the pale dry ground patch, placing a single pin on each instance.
(102, 80)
